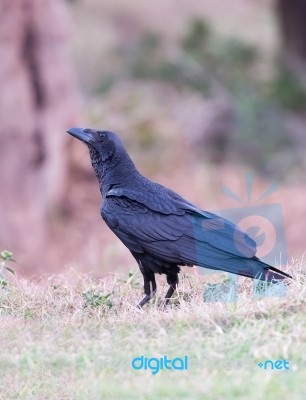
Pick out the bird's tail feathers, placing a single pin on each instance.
(251, 268)
(265, 272)
(272, 273)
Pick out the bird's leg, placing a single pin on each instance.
(173, 281)
(149, 285)
(169, 293)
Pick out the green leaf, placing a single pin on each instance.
(6, 255)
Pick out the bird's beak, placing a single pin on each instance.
(82, 134)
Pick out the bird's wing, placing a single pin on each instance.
(190, 237)
(156, 197)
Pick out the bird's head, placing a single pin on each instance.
(104, 144)
(106, 152)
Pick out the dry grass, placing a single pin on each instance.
(65, 338)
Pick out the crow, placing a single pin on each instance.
(162, 230)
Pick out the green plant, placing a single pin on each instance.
(287, 91)
(5, 256)
(95, 298)
(132, 280)
(197, 36)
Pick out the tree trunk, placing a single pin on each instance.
(37, 104)
(292, 24)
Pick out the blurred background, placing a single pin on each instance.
(200, 93)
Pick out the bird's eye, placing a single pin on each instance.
(102, 135)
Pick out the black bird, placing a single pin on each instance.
(162, 230)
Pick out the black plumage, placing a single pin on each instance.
(162, 230)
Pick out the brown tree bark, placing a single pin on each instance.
(292, 24)
(37, 104)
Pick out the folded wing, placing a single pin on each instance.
(188, 237)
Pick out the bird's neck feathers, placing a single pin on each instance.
(112, 169)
